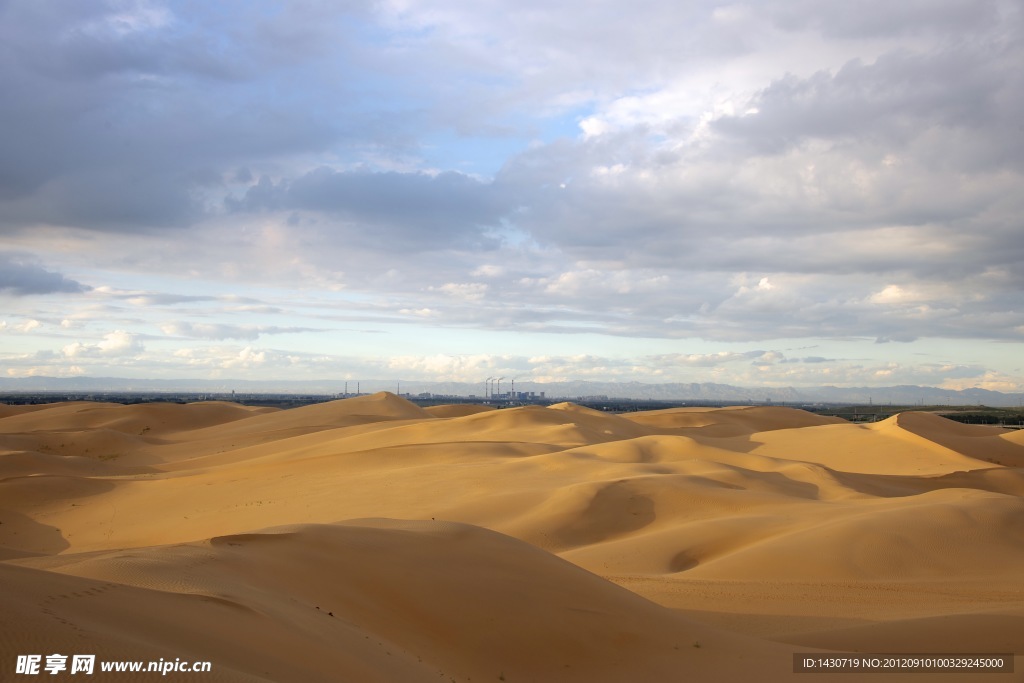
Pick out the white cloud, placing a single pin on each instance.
(706, 359)
(245, 359)
(120, 343)
(461, 368)
(208, 331)
(114, 344)
(226, 331)
(990, 379)
(488, 270)
(466, 291)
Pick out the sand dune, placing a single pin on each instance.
(386, 600)
(731, 421)
(458, 410)
(524, 544)
(887, 447)
(135, 419)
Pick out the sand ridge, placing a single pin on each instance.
(529, 524)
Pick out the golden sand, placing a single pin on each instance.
(372, 540)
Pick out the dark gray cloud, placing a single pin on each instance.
(903, 166)
(396, 210)
(221, 331)
(128, 116)
(21, 275)
(151, 298)
(881, 18)
(884, 106)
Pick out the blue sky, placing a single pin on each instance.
(778, 193)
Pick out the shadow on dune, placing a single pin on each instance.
(994, 480)
(19, 531)
(22, 536)
(615, 510)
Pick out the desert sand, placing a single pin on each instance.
(370, 539)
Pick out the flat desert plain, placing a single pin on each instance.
(369, 539)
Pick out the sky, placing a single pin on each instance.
(766, 193)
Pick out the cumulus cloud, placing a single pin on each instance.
(24, 327)
(467, 291)
(114, 344)
(456, 367)
(246, 358)
(881, 103)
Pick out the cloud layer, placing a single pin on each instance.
(553, 180)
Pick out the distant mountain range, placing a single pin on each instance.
(705, 391)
